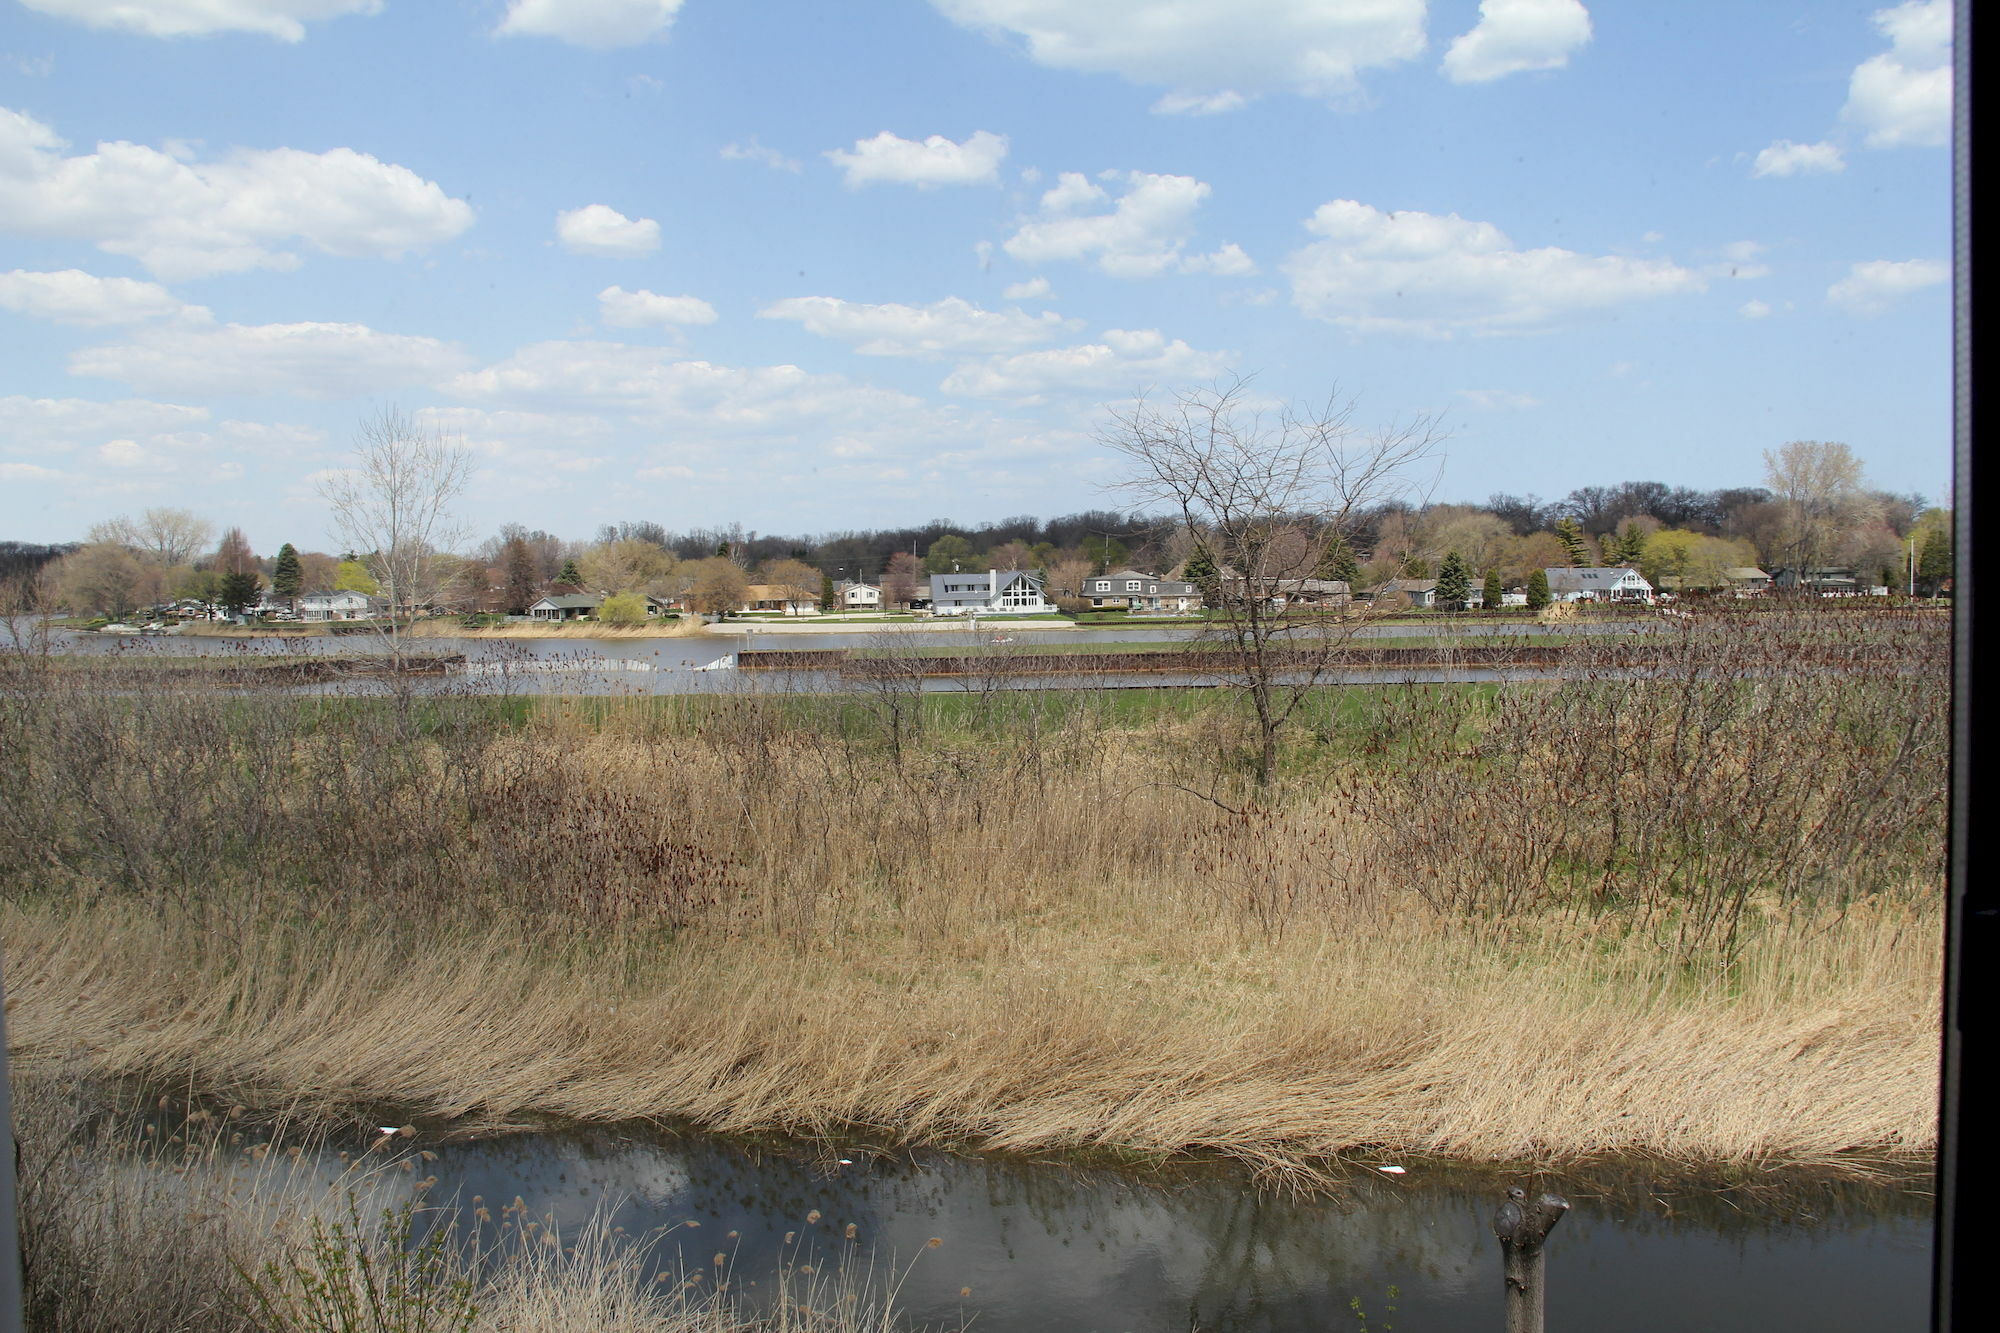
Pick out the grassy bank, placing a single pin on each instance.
(1693, 916)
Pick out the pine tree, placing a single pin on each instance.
(239, 591)
(1934, 560)
(1200, 570)
(1454, 582)
(570, 575)
(1538, 590)
(1634, 544)
(1490, 592)
(1416, 567)
(826, 592)
(1338, 562)
(1571, 536)
(288, 577)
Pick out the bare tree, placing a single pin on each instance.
(167, 537)
(1817, 488)
(394, 508)
(1268, 493)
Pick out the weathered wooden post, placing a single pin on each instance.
(1522, 1228)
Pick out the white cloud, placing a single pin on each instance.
(598, 229)
(1785, 158)
(1755, 310)
(186, 219)
(71, 296)
(525, 441)
(934, 161)
(55, 425)
(283, 19)
(29, 472)
(948, 327)
(756, 152)
(598, 24)
(1199, 104)
(312, 360)
(1204, 49)
(1499, 400)
(623, 309)
(1124, 361)
(653, 385)
(1903, 96)
(1871, 288)
(1143, 235)
(1434, 275)
(1514, 36)
(1034, 289)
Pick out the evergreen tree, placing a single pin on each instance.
(1338, 562)
(1200, 570)
(570, 575)
(1571, 536)
(1633, 544)
(288, 576)
(1490, 592)
(239, 591)
(1538, 590)
(1416, 567)
(1454, 582)
(827, 596)
(1934, 561)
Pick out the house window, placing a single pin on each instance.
(1131, 585)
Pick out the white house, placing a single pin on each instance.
(990, 592)
(340, 606)
(1598, 584)
(777, 597)
(860, 596)
(1141, 592)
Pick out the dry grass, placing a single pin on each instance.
(683, 628)
(1694, 917)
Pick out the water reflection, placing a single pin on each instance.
(1043, 1247)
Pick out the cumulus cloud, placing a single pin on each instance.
(56, 425)
(598, 24)
(598, 229)
(655, 386)
(948, 327)
(1204, 50)
(71, 296)
(310, 360)
(1903, 95)
(185, 219)
(283, 19)
(1034, 289)
(623, 309)
(1514, 36)
(1785, 158)
(1871, 288)
(886, 159)
(1422, 273)
(1144, 234)
(1755, 310)
(1125, 360)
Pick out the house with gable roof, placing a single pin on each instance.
(1597, 583)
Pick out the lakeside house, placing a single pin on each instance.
(858, 596)
(1831, 581)
(574, 604)
(1140, 592)
(1406, 592)
(341, 606)
(992, 592)
(1597, 583)
(776, 597)
(1282, 590)
(1746, 580)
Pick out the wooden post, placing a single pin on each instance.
(1523, 1227)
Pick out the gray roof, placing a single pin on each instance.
(1589, 578)
(572, 601)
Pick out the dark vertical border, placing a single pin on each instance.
(1963, 1297)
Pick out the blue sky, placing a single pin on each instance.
(809, 267)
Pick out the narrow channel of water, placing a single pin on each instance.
(1028, 1248)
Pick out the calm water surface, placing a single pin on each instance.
(1029, 1247)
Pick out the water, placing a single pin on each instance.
(699, 664)
(1042, 1247)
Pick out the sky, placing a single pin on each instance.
(809, 267)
